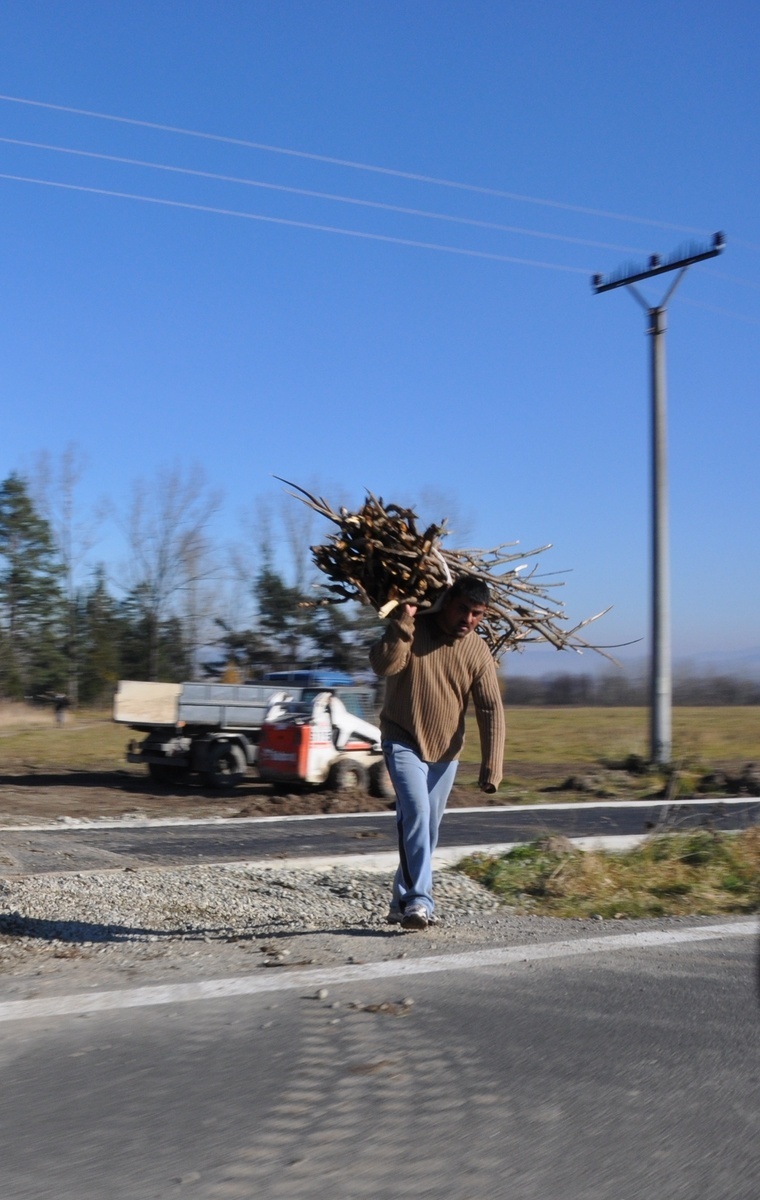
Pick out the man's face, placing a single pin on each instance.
(460, 616)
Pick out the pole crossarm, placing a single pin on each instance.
(683, 257)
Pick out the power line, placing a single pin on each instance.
(355, 166)
(731, 278)
(227, 212)
(724, 312)
(746, 245)
(294, 191)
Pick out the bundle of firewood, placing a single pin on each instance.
(379, 557)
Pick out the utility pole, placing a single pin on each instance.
(660, 685)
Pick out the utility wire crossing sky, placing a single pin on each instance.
(380, 318)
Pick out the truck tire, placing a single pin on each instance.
(166, 774)
(226, 765)
(347, 775)
(380, 785)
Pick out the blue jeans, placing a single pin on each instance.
(422, 790)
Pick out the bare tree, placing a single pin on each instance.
(54, 486)
(434, 503)
(171, 554)
(299, 528)
(195, 599)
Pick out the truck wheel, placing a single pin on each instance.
(380, 785)
(226, 765)
(168, 775)
(347, 775)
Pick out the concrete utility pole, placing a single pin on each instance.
(660, 669)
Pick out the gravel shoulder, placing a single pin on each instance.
(282, 916)
(119, 929)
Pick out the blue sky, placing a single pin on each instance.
(151, 333)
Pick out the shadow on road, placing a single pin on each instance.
(74, 779)
(141, 786)
(121, 780)
(14, 925)
(74, 933)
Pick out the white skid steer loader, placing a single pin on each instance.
(319, 743)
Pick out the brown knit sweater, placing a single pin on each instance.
(430, 678)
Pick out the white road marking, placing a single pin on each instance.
(251, 985)
(382, 861)
(387, 860)
(80, 824)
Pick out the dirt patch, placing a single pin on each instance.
(38, 796)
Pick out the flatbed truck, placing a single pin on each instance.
(213, 730)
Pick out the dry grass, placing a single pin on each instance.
(587, 735)
(14, 716)
(700, 872)
(30, 739)
(543, 744)
(547, 747)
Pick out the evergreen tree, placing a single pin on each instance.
(243, 653)
(31, 605)
(294, 634)
(136, 636)
(100, 629)
(285, 622)
(174, 651)
(150, 649)
(343, 634)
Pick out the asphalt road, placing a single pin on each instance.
(619, 1075)
(91, 848)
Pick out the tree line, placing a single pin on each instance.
(177, 610)
(183, 606)
(623, 689)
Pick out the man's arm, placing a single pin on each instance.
(489, 710)
(391, 654)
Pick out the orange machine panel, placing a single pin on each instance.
(284, 751)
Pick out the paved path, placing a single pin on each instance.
(155, 843)
(617, 1074)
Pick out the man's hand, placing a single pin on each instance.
(410, 610)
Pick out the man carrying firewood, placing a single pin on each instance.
(433, 663)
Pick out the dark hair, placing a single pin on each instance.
(472, 588)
